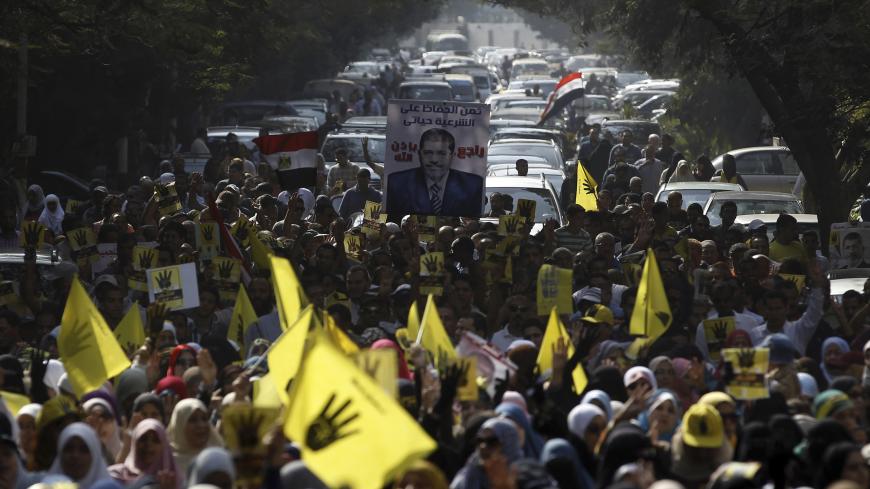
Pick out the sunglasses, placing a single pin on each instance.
(488, 440)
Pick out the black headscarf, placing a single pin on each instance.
(13, 378)
(609, 380)
(755, 443)
(625, 444)
(834, 461)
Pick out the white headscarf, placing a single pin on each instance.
(98, 470)
(52, 220)
(53, 372)
(580, 417)
(184, 453)
(113, 438)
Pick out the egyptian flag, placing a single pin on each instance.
(293, 155)
(568, 89)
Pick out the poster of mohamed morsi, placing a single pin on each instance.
(435, 162)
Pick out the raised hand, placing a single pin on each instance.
(207, 367)
(327, 428)
(155, 314)
(80, 237)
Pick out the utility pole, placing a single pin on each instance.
(21, 121)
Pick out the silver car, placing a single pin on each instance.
(770, 168)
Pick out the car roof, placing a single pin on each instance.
(515, 182)
(752, 195)
(352, 133)
(771, 218)
(753, 149)
(495, 160)
(629, 122)
(504, 142)
(425, 82)
(676, 186)
(536, 168)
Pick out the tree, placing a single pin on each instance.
(805, 60)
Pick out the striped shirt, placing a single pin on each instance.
(344, 173)
(576, 242)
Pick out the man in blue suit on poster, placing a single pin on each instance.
(434, 188)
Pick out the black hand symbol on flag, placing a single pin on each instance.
(663, 317)
(164, 279)
(146, 258)
(746, 358)
(511, 224)
(326, 428)
(225, 269)
(588, 187)
(525, 209)
(207, 232)
(431, 264)
(720, 331)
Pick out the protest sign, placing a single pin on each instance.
(799, 281)
(749, 372)
(716, 331)
(32, 235)
(227, 273)
(435, 162)
(432, 273)
(427, 228)
(373, 218)
(106, 254)
(510, 225)
(144, 257)
(526, 208)
(554, 290)
(850, 245)
(208, 240)
(491, 363)
(353, 245)
(167, 199)
(175, 286)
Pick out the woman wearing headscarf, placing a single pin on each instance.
(13, 475)
(146, 406)
(610, 353)
(56, 414)
(496, 437)
(683, 173)
(52, 215)
(79, 456)
(843, 462)
(26, 419)
(171, 390)
(213, 466)
(190, 432)
(35, 203)
(587, 422)
(608, 379)
(601, 399)
(625, 444)
(662, 416)
(404, 372)
(182, 358)
(561, 461)
(532, 442)
(421, 474)
(150, 459)
(832, 348)
(131, 383)
(297, 474)
(100, 415)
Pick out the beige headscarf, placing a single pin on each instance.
(683, 173)
(184, 453)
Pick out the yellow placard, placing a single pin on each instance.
(32, 235)
(383, 367)
(749, 367)
(373, 218)
(353, 245)
(467, 389)
(73, 206)
(800, 281)
(81, 238)
(208, 240)
(526, 208)
(166, 284)
(432, 264)
(511, 225)
(241, 230)
(427, 228)
(554, 290)
(715, 332)
(167, 199)
(227, 273)
(144, 258)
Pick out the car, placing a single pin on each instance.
(537, 189)
(805, 222)
(530, 133)
(464, 89)
(352, 141)
(366, 122)
(695, 192)
(485, 82)
(638, 98)
(245, 134)
(456, 60)
(771, 168)
(287, 123)
(844, 280)
(446, 41)
(65, 185)
(625, 78)
(545, 85)
(361, 70)
(500, 100)
(537, 168)
(655, 105)
(526, 103)
(574, 63)
(752, 202)
(425, 90)
(233, 113)
(324, 87)
(47, 262)
(530, 114)
(639, 129)
(521, 148)
(431, 58)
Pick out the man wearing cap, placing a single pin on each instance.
(700, 447)
(354, 199)
(775, 313)
(785, 244)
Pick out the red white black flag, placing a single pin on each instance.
(293, 155)
(568, 89)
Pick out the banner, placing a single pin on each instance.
(167, 199)
(491, 363)
(554, 290)
(373, 218)
(749, 368)
(716, 331)
(175, 286)
(435, 162)
(850, 245)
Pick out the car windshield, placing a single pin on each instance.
(546, 152)
(463, 91)
(692, 196)
(377, 148)
(543, 197)
(755, 207)
(426, 92)
(540, 104)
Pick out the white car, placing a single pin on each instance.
(537, 189)
(749, 202)
(537, 168)
(771, 168)
(695, 192)
(805, 222)
(522, 148)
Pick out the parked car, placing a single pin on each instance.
(530, 133)
(695, 192)
(325, 87)
(545, 85)
(234, 113)
(771, 168)
(805, 222)
(521, 148)
(537, 168)
(751, 202)
(351, 140)
(537, 189)
(530, 67)
(464, 89)
(847, 279)
(640, 129)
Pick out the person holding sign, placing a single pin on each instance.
(434, 188)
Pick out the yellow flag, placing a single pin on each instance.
(243, 316)
(554, 289)
(266, 394)
(413, 322)
(87, 347)
(14, 402)
(652, 313)
(260, 253)
(555, 331)
(288, 291)
(383, 367)
(130, 332)
(432, 335)
(339, 338)
(352, 434)
(587, 189)
(286, 352)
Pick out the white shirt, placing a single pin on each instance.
(502, 339)
(800, 331)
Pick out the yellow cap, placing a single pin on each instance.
(702, 427)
